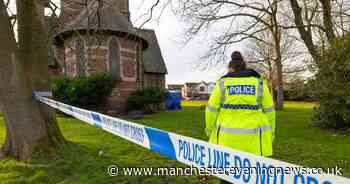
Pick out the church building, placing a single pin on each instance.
(94, 37)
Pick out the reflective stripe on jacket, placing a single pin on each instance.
(240, 114)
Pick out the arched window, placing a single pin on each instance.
(114, 58)
(80, 57)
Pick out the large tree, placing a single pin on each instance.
(329, 51)
(30, 126)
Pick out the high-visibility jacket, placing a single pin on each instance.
(240, 114)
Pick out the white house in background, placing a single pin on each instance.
(197, 90)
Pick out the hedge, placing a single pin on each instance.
(82, 91)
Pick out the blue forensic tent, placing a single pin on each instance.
(173, 101)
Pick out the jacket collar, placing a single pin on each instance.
(244, 73)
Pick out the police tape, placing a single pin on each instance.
(198, 153)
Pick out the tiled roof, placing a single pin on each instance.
(101, 19)
(152, 57)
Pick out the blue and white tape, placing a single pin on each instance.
(43, 93)
(198, 153)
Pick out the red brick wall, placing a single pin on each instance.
(97, 61)
(60, 57)
(129, 72)
(69, 58)
(97, 55)
(55, 71)
(128, 53)
(117, 100)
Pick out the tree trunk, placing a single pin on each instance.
(35, 40)
(327, 19)
(279, 69)
(279, 84)
(305, 35)
(30, 127)
(277, 34)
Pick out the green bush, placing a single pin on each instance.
(82, 91)
(332, 86)
(146, 99)
(300, 92)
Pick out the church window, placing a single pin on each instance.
(80, 57)
(114, 58)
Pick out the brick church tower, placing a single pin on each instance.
(99, 38)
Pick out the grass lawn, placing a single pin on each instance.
(78, 162)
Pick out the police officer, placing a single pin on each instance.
(240, 112)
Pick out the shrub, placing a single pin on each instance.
(146, 99)
(300, 91)
(332, 86)
(82, 91)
